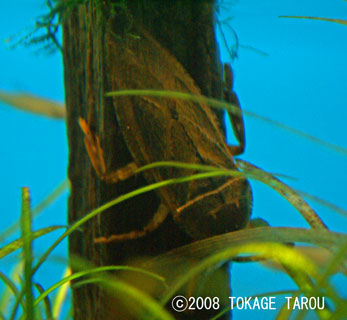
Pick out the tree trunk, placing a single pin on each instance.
(186, 29)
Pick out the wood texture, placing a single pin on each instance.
(189, 35)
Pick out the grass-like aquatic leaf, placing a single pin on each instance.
(127, 292)
(253, 172)
(288, 193)
(338, 260)
(191, 166)
(11, 289)
(47, 302)
(30, 103)
(89, 273)
(104, 207)
(203, 248)
(17, 244)
(51, 198)
(27, 253)
(77, 263)
(61, 296)
(48, 108)
(150, 188)
(269, 250)
(322, 202)
(120, 199)
(175, 263)
(229, 107)
(10, 285)
(339, 21)
(99, 275)
(301, 268)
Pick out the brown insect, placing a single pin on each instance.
(162, 129)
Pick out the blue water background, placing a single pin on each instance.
(301, 81)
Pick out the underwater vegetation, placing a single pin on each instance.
(311, 257)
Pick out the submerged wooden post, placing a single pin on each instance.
(187, 29)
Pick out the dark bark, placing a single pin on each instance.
(186, 29)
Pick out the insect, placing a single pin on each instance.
(161, 129)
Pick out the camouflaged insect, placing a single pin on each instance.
(163, 129)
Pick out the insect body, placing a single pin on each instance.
(161, 129)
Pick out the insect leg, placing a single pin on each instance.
(93, 146)
(235, 118)
(153, 224)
